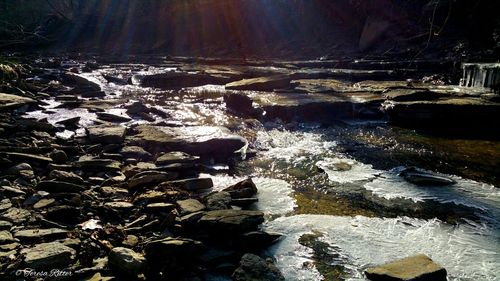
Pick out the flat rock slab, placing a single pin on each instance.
(228, 221)
(59, 186)
(194, 184)
(126, 261)
(107, 135)
(189, 206)
(9, 102)
(40, 233)
(195, 140)
(261, 83)
(30, 158)
(16, 215)
(95, 164)
(173, 79)
(419, 267)
(48, 256)
(175, 157)
(113, 117)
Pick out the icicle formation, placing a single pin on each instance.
(481, 75)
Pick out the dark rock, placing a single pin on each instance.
(64, 214)
(231, 221)
(126, 261)
(218, 201)
(239, 104)
(6, 237)
(171, 249)
(59, 187)
(149, 178)
(113, 117)
(70, 122)
(66, 177)
(99, 165)
(58, 156)
(424, 178)
(170, 80)
(195, 184)
(136, 152)
(107, 135)
(244, 202)
(30, 158)
(48, 255)
(242, 189)
(253, 267)
(38, 234)
(419, 267)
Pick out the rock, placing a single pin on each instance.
(5, 225)
(59, 187)
(107, 135)
(11, 191)
(136, 152)
(253, 267)
(419, 267)
(170, 249)
(22, 169)
(261, 83)
(242, 189)
(29, 158)
(48, 256)
(10, 102)
(213, 142)
(70, 122)
(114, 192)
(189, 206)
(58, 156)
(126, 261)
(40, 234)
(44, 203)
(172, 80)
(131, 241)
(160, 207)
(6, 237)
(149, 178)
(240, 104)
(231, 221)
(80, 82)
(196, 184)
(424, 178)
(66, 177)
(119, 206)
(16, 215)
(218, 201)
(175, 157)
(113, 117)
(64, 214)
(94, 164)
(258, 239)
(136, 108)
(244, 202)
(5, 204)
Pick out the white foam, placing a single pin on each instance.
(468, 252)
(464, 192)
(288, 146)
(343, 170)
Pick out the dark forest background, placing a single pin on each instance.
(254, 28)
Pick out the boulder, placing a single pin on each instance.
(218, 201)
(126, 261)
(261, 83)
(107, 135)
(242, 189)
(58, 156)
(6, 237)
(419, 267)
(239, 104)
(48, 256)
(253, 268)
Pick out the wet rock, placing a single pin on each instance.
(175, 157)
(48, 256)
(136, 108)
(244, 202)
(66, 177)
(172, 79)
(261, 84)
(253, 267)
(423, 178)
(37, 234)
(242, 189)
(231, 221)
(136, 152)
(196, 184)
(10, 102)
(59, 187)
(107, 135)
(239, 104)
(218, 201)
(149, 178)
(114, 192)
(70, 122)
(419, 267)
(80, 81)
(126, 261)
(113, 117)
(58, 156)
(189, 206)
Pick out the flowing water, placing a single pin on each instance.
(334, 192)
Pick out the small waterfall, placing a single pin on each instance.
(481, 75)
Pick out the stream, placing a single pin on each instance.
(333, 190)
